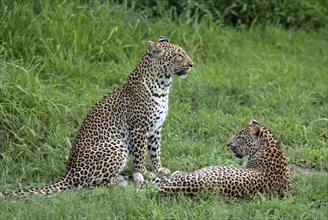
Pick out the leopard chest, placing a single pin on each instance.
(158, 115)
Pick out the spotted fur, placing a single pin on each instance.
(124, 122)
(266, 171)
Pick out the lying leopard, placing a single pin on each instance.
(265, 172)
(124, 122)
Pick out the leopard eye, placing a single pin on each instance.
(180, 56)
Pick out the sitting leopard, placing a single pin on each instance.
(265, 172)
(124, 122)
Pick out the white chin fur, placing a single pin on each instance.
(183, 76)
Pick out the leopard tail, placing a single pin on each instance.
(58, 186)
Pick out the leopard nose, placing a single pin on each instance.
(190, 65)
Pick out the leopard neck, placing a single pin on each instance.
(153, 74)
(269, 157)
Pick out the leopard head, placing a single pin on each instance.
(171, 56)
(246, 141)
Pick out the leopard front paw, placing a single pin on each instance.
(145, 173)
(163, 171)
(149, 175)
(138, 179)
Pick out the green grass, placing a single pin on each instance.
(55, 63)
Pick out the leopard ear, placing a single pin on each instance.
(253, 121)
(163, 39)
(256, 129)
(154, 50)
